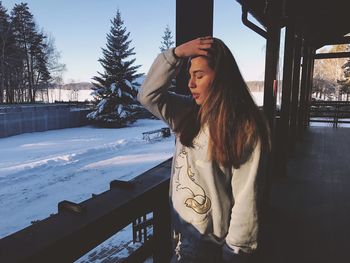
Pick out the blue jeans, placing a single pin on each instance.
(194, 249)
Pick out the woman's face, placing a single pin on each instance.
(201, 78)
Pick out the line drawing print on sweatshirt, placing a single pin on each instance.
(185, 181)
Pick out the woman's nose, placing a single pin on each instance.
(191, 83)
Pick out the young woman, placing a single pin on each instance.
(221, 139)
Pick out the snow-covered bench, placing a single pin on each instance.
(149, 135)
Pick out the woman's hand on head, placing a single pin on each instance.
(195, 47)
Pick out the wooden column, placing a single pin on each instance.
(270, 92)
(306, 89)
(303, 89)
(309, 86)
(295, 95)
(194, 18)
(283, 129)
(162, 246)
(270, 83)
(270, 87)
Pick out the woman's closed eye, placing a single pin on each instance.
(199, 76)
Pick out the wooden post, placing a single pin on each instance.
(283, 131)
(303, 90)
(295, 95)
(270, 83)
(306, 91)
(162, 247)
(270, 90)
(310, 77)
(194, 19)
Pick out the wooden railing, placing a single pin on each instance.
(78, 228)
(334, 112)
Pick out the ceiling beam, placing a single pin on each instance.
(335, 41)
(332, 55)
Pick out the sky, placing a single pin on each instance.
(79, 28)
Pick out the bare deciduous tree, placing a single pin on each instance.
(328, 74)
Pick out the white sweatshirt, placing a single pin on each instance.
(220, 203)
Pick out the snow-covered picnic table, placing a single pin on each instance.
(149, 135)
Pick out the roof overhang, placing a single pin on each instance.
(321, 22)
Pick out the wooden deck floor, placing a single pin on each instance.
(309, 220)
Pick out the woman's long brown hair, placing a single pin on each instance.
(235, 122)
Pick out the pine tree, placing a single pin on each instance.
(167, 43)
(26, 56)
(32, 46)
(24, 30)
(5, 34)
(115, 90)
(167, 39)
(41, 75)
(10, 59)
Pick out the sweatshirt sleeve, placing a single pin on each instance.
(243, 229)
(154, 95)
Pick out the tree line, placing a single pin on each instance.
(29, 61)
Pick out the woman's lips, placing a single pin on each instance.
(195, 95)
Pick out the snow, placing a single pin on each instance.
(329, 124)
(113, 87)
(101, 105)
(121, 112)
(127, 82)
(119, 109)
(113, 249)
(92, 115)
(258, 97)
(38, 170)
(128, 95)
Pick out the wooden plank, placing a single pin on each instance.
(332, 55)
(337, 41)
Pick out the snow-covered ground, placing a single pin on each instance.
(329, 124)
(258, 97)
(38, 170)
